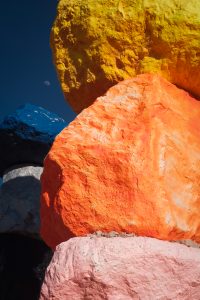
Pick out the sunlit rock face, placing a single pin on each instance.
(99, 43)
(27, 135)
(129, 163)
(122, 268)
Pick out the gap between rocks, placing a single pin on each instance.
(23, 262)
(112, 234)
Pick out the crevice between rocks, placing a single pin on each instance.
(23, 261)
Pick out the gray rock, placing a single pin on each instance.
(113, 234)
(20, 200)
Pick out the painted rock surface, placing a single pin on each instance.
(99, 43)
(122, 268)
(128, 163)
(20, 201)
(27, 135)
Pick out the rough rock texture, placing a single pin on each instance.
(128, 163)
(27, 135)
(117, 268)
(20, 201)
(99, 43)
(112, 234)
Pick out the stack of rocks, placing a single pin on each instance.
(26, 137)
(130, 162)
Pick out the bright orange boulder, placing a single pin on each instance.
(128, 163)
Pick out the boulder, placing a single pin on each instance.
(20, 201)
(27, 135)
(122, 268)
(98, 43)
(128, 163)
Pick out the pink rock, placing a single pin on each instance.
(96, 268)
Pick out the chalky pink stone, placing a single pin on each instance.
(97, 268)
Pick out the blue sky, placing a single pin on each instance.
(27, 72)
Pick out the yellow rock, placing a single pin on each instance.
(97, 43)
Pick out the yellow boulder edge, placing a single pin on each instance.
(97, 43)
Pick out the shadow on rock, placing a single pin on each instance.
(23, 262)
(19, 206)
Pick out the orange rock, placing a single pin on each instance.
(128, 163)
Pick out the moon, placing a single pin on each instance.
(47, 83)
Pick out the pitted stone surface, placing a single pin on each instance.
(99, 43)
(112, 234)
(128, 163)
(116, 268)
